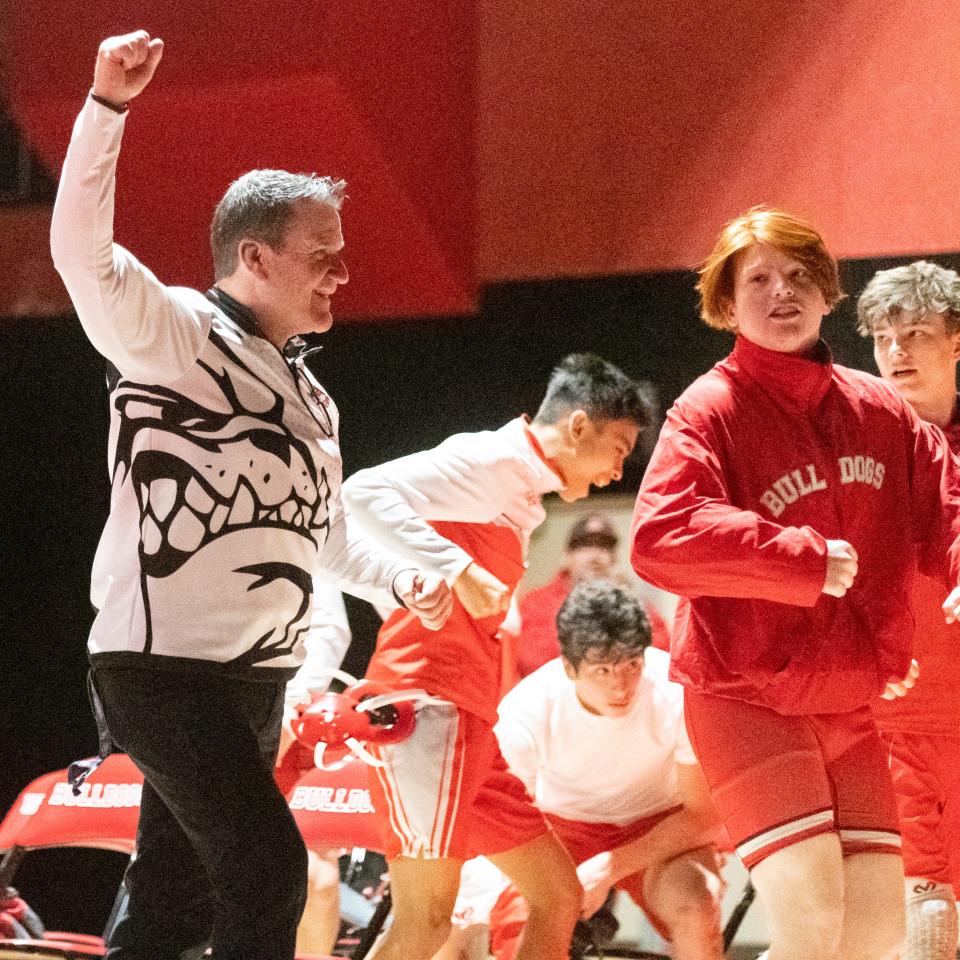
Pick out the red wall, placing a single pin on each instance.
(497, 140)
(29, 285)
(375, 92)
(619, 136)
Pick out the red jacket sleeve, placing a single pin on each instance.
(935, 496)
(689, 539)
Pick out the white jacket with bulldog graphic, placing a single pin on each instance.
(223, 455)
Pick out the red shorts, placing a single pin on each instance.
(446, 791)
(925, 770)
(586, 840)
(583, 841)
(777, 780)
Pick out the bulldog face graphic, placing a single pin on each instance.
(233, 509)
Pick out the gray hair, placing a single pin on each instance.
(910, 291)
(259, 206)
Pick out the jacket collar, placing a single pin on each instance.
(242, 316)
(302, 345)
(803, 379)
(298, 347)
(518, 431)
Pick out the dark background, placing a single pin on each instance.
(400, 386)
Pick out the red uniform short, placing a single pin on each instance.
(446, 791)
(583, 841)
(777, 779)
(926, 778)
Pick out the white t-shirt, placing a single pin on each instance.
(590, 768)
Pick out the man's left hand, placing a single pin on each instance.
(900, 688)
(596, 876)
(427, 595)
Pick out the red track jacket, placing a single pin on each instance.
(933, 705)
(760, 461)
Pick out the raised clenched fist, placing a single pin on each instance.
(125, 65)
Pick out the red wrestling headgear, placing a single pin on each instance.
(366, 712)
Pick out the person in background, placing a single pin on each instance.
(598, 739)
(326, 645)
(591, 555)
(913, 315)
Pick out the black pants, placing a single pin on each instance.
(220, 860)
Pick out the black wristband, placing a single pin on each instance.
(109, 104)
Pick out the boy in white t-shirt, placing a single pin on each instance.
(598, 738)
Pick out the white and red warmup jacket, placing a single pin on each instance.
(760, 461)
(224, 458)
(475, 497)
(933, 705)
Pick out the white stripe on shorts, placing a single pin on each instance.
(418, 782)
(448, 795)
(398, 823)
(880, 837)
(775, 835)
